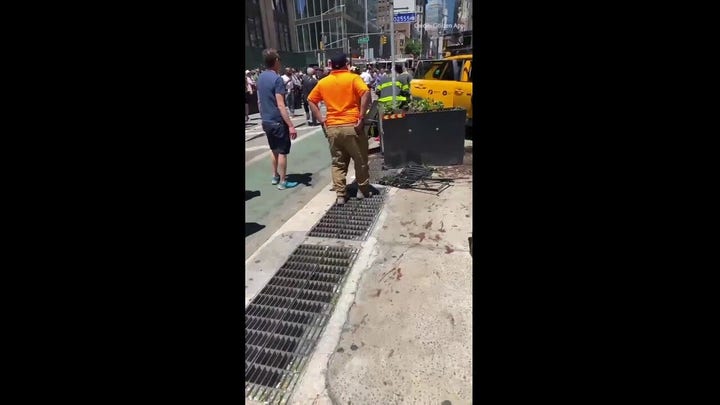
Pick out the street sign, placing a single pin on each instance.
(363, 40)
(404, 17)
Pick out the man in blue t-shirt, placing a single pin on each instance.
(276, 122)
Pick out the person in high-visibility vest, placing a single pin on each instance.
(405, 77)
(384, 89)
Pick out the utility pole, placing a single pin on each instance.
(367, 44)
(392, 47)
(421, 13)
(347, 40)
(442, 31)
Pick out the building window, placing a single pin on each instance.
(255, 33)
(278, 36)
(314, 37)
(283, 30)
(303, 8)
(309, 46)
(333, 31)
(286, 34)
(301, 40)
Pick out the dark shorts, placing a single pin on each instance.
(278, 136)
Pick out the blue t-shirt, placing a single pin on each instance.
(268, 85)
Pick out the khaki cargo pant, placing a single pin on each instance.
(345, 144)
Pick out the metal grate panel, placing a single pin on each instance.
(352, 220)
(285, 320)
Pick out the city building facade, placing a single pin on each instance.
(444, 17)
(403, 31)
(268, 25)
(341, 22)
(296, 28)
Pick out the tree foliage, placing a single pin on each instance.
(413, 47)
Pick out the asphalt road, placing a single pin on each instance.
(266, 207)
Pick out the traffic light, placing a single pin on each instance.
(322, 46)
(383, 39)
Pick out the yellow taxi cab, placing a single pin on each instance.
(448, 80)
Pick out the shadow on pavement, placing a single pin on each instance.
(249, 195)
(300, 178)
(252, 227)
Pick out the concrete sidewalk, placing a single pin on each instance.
(401, 331)
(407, 338)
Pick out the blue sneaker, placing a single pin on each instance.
(287, 184)
(275, 180)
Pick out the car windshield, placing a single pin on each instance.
(434, 70)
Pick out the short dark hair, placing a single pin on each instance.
(398, 68)
(270, 55)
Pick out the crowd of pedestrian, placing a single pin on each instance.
(345, 90)
(373, 76)
(296, 84)
(299, 83)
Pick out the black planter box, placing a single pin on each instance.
(434, 138)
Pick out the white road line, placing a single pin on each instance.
(301, 130)
(252, 148)
(261, 147)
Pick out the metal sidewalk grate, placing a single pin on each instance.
(285, 320)
(352, 220)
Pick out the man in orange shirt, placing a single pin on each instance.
(346, 98)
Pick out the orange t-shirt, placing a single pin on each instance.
(341, 92)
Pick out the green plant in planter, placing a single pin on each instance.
(415, 105)
(388, 107)
(424, 104)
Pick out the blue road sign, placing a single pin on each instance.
(404, 17)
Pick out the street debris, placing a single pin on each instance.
(417, 178)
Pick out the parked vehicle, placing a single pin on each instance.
(448, 80)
